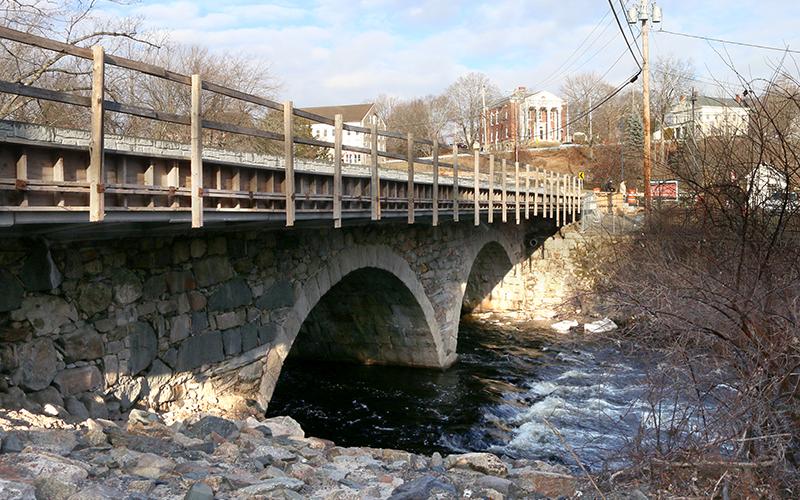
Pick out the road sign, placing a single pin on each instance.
(581, 175)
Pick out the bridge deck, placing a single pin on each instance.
(51, 176)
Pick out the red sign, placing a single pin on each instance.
(664, 189)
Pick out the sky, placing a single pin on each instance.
(337, 52)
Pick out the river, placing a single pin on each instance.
(515, 391)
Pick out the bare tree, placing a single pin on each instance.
(466, 106)
(671, 78)
(584, 91)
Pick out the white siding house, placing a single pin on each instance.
(352, 114)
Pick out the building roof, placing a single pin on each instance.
(726, 102)
(349, 112)
(519, 93)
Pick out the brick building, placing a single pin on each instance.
(525, 118)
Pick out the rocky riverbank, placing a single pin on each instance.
(205, 456)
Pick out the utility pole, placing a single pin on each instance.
(591, 136)
(646, 14)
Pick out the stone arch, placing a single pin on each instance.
(489, 268)
(350, 262)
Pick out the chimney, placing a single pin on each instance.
(683, 99)
(738, 98)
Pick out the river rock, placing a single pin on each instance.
(564, 326)
(50, 488)
(76, 408)
(486, 463)
(41, 464)
(48, 395)
(270, 485)
(98, 492)
(59, 442)
(427, 486)
(38, 364)
(546, 483)
(267, 454)
(199, 491)
(15, 490)
(152, 466)
(77, 380)
(284, 426)
(206, 425)
(604, 325)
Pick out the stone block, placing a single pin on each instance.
(94, 297)
(212, 270)
(143, 346)
(232, 341)
(180, 328)
(200, 350)
(46, 313)
(230, 319)
(127, 286)
(38, 364)
(230, 295)
(280, 294)
(82, 344)
(249, 337)
(199, 322)
(39, 273)
(180, 281)
(77, 380)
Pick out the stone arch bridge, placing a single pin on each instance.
(207, 320)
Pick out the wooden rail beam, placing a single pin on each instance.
(410, 189)
(197, 153)
(504, 194)
(527, 191)
(96, 171)
(337, 171)
(375, 180)
(288, 152)
(491, 189)
(516, 189)
(435, 192)
(477, 188)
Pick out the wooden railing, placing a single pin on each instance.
(544, 193)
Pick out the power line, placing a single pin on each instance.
(729, 42)
(622, 30)
(630, 28)
(606, 99)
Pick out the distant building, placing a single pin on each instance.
(352, 114)
(525, 118)
(711, 116)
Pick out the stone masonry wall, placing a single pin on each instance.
(206, 320)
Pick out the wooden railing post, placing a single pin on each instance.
(96, 172)
(435, 193)
(476, 188)
(564, 199)
(516, 188)
(491, 189)
(337, 171)
(558, 199)
(375, 183)
(549, 182)
(536, 192)
(527, 191)
(288, 152)
(456, 194)
(197, 153)
(22, 177)
(580, 195)
(504, 194)
(410, 193)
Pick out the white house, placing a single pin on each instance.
(711, 116)
(763, 182)
(352, 114)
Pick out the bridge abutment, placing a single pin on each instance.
(201, 321)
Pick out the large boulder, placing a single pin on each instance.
(203, 428)
(38, 364)
(127, 286)
(212, 270)
(487, 463)
(46, 313)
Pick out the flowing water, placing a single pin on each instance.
(513, 392)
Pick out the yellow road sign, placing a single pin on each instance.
(581, 175)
